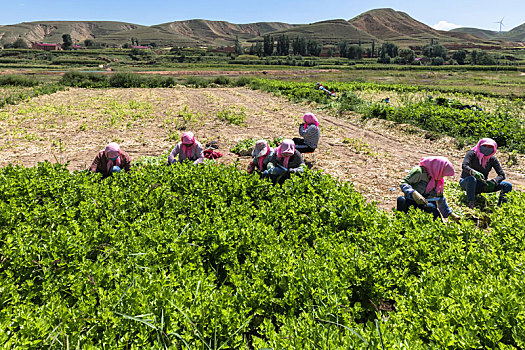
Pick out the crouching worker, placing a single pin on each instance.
(477, 164)
(187, 149)
(310, 131)
(285, 160)
(111, 160)
(423, 188)
(260, 157)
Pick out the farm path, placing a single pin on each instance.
(74, 125)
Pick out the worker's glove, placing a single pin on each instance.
(454, 217)
(479, 176)
(418, 198)
(490, 186)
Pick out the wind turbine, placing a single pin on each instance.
(500, 24)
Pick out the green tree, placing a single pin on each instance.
(343, 48)
(460, 56)
(389, 49)
(259, 51)
(435, 50)
(407, 56)
(238, 47)
(268, 45)
(313, 48)
(437, 61)
(67, 42)
(299, 46)
(354, 52)
(481, 57)
(283, 45)
(17, 44)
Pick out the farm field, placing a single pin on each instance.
(71, 126)
(507, 83)
(210, 257)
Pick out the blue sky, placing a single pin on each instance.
(443, 14)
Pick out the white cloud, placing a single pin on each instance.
(444, 25)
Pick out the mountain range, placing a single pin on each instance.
(377, 25)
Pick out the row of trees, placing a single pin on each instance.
(281, 46)
(435, 54)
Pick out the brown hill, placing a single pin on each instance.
(218, 32)
(379, 25)
(400, 28)
(388, 24)
(328, 32)
(52, 31)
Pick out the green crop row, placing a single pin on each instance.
(15, 96)
(506, 129)
(504, 125)
(191, 257)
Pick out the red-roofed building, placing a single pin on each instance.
(47, 47)
(139, 47)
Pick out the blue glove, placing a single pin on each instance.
(115, 169)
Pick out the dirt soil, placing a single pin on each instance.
(72, 126)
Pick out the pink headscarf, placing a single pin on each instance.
(483, 159)
(112, 150)
(309, 119)
(437, 167)
(188, 141)
(287, 146)
(261, 158)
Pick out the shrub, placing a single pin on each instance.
(222, 80)
(17, 80)
(197, 82)
(84, 80)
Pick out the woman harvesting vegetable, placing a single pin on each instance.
(187, 149)
(110, 160)
(423, 188)
(285, 160)
(477, 164)
(260, 156)
(310, 131)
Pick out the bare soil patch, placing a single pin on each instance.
(72, 126)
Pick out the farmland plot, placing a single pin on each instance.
(72, 126)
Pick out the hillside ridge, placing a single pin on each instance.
(379, 25)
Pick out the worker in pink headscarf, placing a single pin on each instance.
(187, 149)
(477, 164)
(284, 160)
(423, 188)
(260, 156)
(309, 130)
(111, 160)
